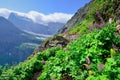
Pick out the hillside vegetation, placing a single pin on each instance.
(92, 54)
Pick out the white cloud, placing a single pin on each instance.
(39, 17)
(4, 12)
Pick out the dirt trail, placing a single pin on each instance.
(36, 75)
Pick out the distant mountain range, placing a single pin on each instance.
(27, 24)
(20, 35)
(14, 43)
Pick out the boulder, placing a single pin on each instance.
(52, 42)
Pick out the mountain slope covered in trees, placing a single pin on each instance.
(15, 45)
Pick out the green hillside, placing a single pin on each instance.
(92, 54)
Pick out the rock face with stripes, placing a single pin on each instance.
(79, 16)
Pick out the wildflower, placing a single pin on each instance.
(100, 17)
(110, 20)
(96, 25)
(88, 61)
(100, 66)
(102, 25)
(87, 66)
(113, 45)
(118, 26)
(74, 37)
(116, 35)
(97, 12)
(90, 28)
(65, 31)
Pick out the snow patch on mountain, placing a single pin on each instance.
(38, 17)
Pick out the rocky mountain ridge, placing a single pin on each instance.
(27, 24)
(78, 17)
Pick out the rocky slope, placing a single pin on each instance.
(109, 11)
(78, 17)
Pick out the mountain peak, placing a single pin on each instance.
(24, 23)
(6, 25)
(15, 16)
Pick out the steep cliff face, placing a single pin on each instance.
(79, 16)
(111, 10)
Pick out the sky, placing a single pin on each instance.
(44, 6)
(42, 11)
